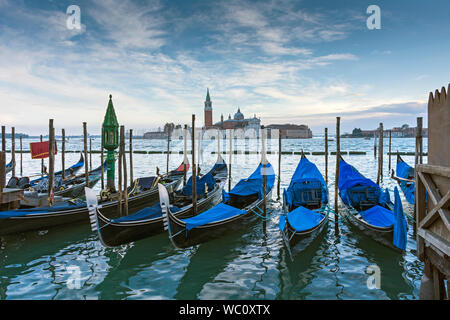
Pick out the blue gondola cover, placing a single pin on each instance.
(152, 212)
(220, 212)
(41, 210)
(207, 180)
(400, 224)
(254, 183)
(301, 219)
(406, 172)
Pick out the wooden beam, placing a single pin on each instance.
(435, 240)
(435, 212)
(13, 150)
(436, 170)
(63, 151)
(435, 197)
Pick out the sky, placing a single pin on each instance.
(301, 62)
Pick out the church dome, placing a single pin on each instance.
(238, 115)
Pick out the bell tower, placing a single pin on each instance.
(208, 110)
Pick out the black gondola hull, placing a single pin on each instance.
(115, 234)
(182, 238)
(66, 217)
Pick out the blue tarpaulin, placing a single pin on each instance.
(301, 219)
(400, 224)
(207, 179)
(254, 183)
(306, 177)
(152, 212)
(378, 216)
(220, 212)
(41, 210)
(406, 172)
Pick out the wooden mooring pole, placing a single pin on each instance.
(51, 159)
(119, 203)
(2, 173)
(380, 155)
(13, 150)
(131, 157)
(326, 156)
(264, 170)
(419, 146)
(42, 163)
(390, 142)
(185, 155)
(86, 169)
(102, 159)
(21, 157)
(194, 170)
(90, 153)
(375, 145)
(124, 163)
(279, 164)
(338, 157)
(168, 151)
(4, 139)
(230, 131)
(63, 151)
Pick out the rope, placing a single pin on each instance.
(264, 218)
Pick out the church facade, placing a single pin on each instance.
(237, 122)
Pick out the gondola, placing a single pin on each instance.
(370, 208)
(67, 172)
(149, 221)
(9, 167)
(405, 179)
(141, 194)
(238, 206)
(304, 204)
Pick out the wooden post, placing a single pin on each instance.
(380, 154)
(102, 157)
(326, 156)
(42, 163)
(63, 152)
(124, 163)
(90, 153)
(13, 150)
(194, 170)
(279, 164)
(168, 151)
(390, 142)
(231, 150)
(264, 163)
(338, 156)
(185, 155)
(51, 159)
(375, 145)
(86, 169)
(131, 157)
(119, 203)
(419, 147)
(2, 173)
(4, 139)
(21, 157)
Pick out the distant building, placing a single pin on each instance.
(397, 132)
(168, 127)
(292, 131)
(237, 122)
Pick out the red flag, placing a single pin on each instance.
(182, 167)
(39, 150)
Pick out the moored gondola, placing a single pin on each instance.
(405, 178)
(370, 208)
(305, 207)
(140, 195)
(9, 166)
(72, 170)
(240, 205)
(149, 221)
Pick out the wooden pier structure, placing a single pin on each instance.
(432, 200)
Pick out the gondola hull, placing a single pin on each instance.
(114, 234)
(383, 236)
(298, 241)
(181, 238)
(39, 221)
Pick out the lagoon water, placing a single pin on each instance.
(69, 262)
